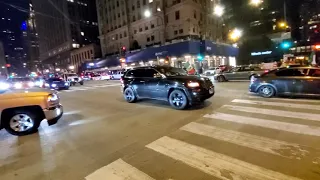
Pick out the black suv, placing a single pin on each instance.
(165, 83)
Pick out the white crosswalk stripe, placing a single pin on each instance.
(300, 117)
(118, 170)
(86, 88)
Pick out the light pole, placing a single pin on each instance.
(147, 13)
(218, 10)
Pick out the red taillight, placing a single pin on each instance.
(121, 80)
(266, 71)
(89, 76)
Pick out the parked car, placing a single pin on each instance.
(57, 83)
(73, 79)
(165, 83)
(21, 112)
(239, 73)
(292, 81)
(87, 76)
(21, 83)
(117, 75)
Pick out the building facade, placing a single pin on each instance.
(137, 24)
(3, 67)
(11, 36)
(62, 26)
(83, 55)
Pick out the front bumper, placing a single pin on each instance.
(196, 96)
(253, 87)
(53, 114)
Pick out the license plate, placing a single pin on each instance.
(211, 91)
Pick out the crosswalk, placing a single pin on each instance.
(86, 88)
(248, 139)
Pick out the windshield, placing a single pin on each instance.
(171, 71)
(19, 79)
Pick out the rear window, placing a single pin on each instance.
(135, 73)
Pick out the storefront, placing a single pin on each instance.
(177, 55)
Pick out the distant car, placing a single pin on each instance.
(87, 76)
(239, 73)
(105, 77)
(73, 79)
(117, 75)
(57, 83)
(292, 81)
(167, 84)
(21, 83)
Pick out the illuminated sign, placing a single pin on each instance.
(261, 53)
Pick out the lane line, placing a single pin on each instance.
(118, 170)
(280, 113)
(215, 164)
(286, 99)
(280, 104)
(276, 147)
(283, 126)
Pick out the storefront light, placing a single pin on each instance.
(187, 57)
(174, 58)
(161, 60)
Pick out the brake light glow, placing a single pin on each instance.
(266, 71)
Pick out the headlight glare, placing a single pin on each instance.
(52, 97)
(193, 84)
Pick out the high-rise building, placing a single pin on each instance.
(64, 25)
(136, 24)
(10, 35)
(3, 67)
(310, 21)
(31, 41)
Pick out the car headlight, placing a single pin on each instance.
(30, 84)
(4, 86)
(18, 85)
(47, 85)
(53, 98)
(193, 84)
(66, 84)
(54, 85)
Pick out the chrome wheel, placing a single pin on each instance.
(129, 95)
(178, 99)
(266, 91)
(21, 123)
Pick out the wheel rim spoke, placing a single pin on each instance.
(21, 123)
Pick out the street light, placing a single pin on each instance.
(256, 2)
(147, 13)
(218, 10)
(283, 25)
(235, 34)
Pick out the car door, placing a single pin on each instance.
(311, 84)
(135, 78)
(232, 74)
(154, 84)
(286, 81)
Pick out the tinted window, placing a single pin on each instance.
(291, 72)
(151, 73)
(136, 73)
(171, 71)
(314, 72)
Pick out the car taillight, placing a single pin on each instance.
(266, 71)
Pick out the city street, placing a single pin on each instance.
(234, 136)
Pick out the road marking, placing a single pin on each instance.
(276, 147)
(215, 164)
(118, 170)
(286, 99)
(268, 103)
(280, 113)
(283, 126)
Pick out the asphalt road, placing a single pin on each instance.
(234, 136)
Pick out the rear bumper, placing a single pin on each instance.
(53, 114)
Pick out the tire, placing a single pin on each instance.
(28, 118)
(81, 83)
(178, 100)
(129, 95)
(221, 79)
(266, 91)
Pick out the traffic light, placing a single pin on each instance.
(200, 57)
(123, 51)
(285, 45)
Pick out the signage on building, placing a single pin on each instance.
(161, 53)
(208, 48)
(261, 53)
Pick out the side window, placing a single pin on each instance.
(314, 72)
(290, 72)
(150, 73)
(246, 69)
